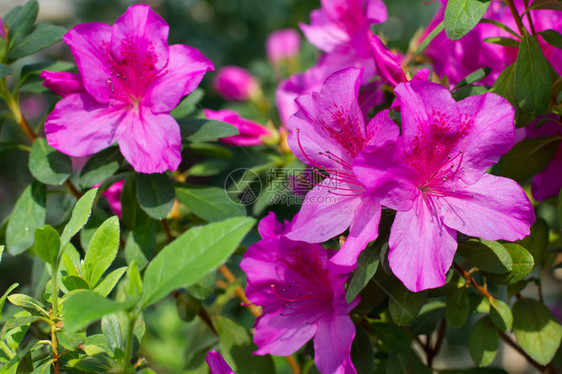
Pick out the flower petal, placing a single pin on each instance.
(493, 208)
(363, 229)
(332, 345)
(186, 67)
(62, 83)
(376, 11)
(80, 126)
(323, 214)
(89, 44)
(549, 181)
(151, 142)
(323, 33)
(141, 31)
(421, 247)
(492, 123)
(382, 130)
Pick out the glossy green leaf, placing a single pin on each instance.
(80, 215)
(483, 342)
(141, 242)
(505, 85)
(537, 242)
(210, 203)
(430, 316)
(204, 130)
(461, 16)
(362, 352)
(108, 283)
(207, 168)
(458, 308)
(523, 262)
(84, 307)
(423, 45)
(156, 195)
(404, 305)
(533, 82)
(3, 298)
(367, 265)
(4, 71)
(28, 214)
(486, 255)
(47, 244)
(503, 41)
(545, 4)
(133, 286)
(97, 218)
(501, 315)
(536, 329)
(101, 166)
(393, 337)
(192, 255)
(552, 37)
(405, 362)
(473, 77)
(21, 19)
(48, 165)
(73, 282)
(27, 302)
(102, 250)
(528, 158)
(43, 36)
(189, 104)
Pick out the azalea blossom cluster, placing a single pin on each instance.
(423, 159)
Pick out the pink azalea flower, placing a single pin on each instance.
(302, 300)
(251, 133)
(387, 63)
(217, 364)
(549, 181)
(435, 177)
(270, 228)
(328, 132)
(282, 44)
(457, 59)
(129, 81)
(235, 84)
(113, 196)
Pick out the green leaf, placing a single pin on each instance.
(192, 255)
(522, 265)
(108, 283)
(141, 242)
(423, 45)
(4, 71)
(28, 214)
(27, 302)
(1, 252)
(80, 215)
(537, 242)
(362, 353)
(112, 332)
(403, 304)
(48, 165)
(505, 85)
(461, 16)
(552, 37)
(210, 203)
(70, 341)
(533, 82)
(506, 42)
(188, 105)
(47, 244)
(156, 195)
(528, 158)
(84, 307)
(204, 130)
(429, 317)
(483, 342)
(473, 77)
(3, 298)
(102, 250)
(101, 166)
(97, 218)
(367, 265)
(501, 316)
(207, 168)
(405, 362)
(237, 348)
(393, 337)
(133, 287)
(487, 256)
(536, 329)
(18, 321)
(545, 4)
(458, 308)
(21, 19)
(474, 371)
(43, 36)
(73, 282)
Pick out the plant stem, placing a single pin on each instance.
(513, 345)
(169, 235)
(533, 31)
(129, 343)
(516, 16)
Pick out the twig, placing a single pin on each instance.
(516, 16)
(529, 18)
(435, 350)
(167, 230)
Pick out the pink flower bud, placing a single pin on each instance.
(282, 44)
(235, 84)
(251, 133)
(217, 364)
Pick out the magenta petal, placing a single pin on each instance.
(363, 229)
(80, 126)
(323, 215)
(151, 142)
(217, 364)
(332, 345)
(323, 33)
(89, 43)
(250, 132)
(388, 64)
(280, 335)
(421, 247)
(382, 130)
(376, 11)
(491, 118)
(493, 208)
(549, 181)
(142, 32)
(62, 83)
(186, 67)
